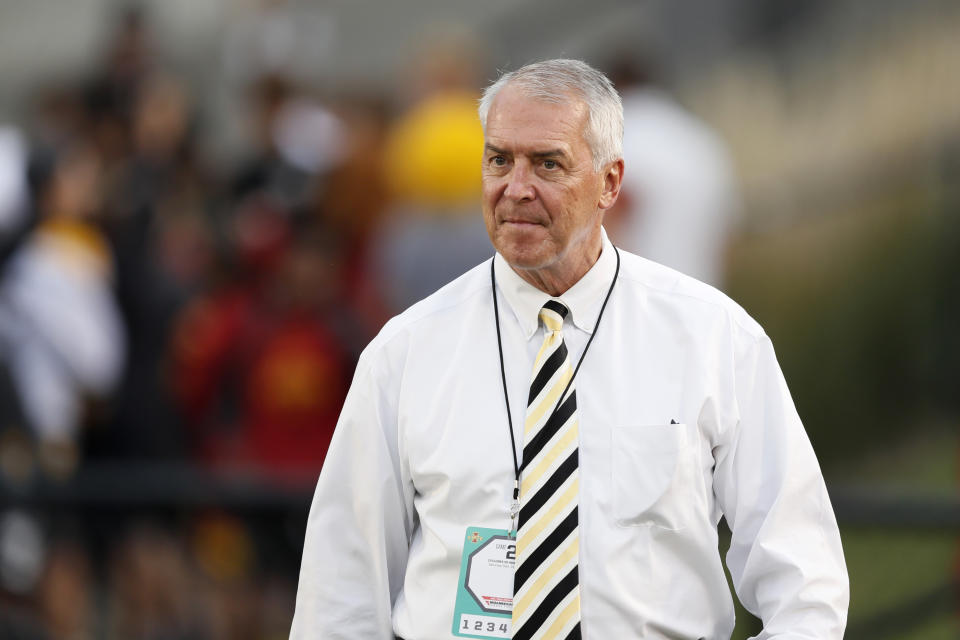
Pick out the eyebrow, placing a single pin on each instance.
(547, 153)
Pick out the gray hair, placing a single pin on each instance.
(556, 81)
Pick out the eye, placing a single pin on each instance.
(498, 161)
(550, 164)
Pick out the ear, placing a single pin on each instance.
(612, 179)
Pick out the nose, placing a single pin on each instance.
(520, 184)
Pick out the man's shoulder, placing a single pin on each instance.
(689, 296)
(435, 311)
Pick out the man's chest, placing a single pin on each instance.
(638, 406)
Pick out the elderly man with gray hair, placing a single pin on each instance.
(544, 447)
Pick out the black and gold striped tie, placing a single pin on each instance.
(546, 603)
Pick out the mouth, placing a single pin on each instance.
(522, 223)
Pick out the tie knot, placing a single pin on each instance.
(552, 315)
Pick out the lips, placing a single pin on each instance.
(520, 217)
(522, 220)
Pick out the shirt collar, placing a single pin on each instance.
(583, 299)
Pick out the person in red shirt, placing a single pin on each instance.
(261, 368)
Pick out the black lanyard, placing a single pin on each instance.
(515, 506)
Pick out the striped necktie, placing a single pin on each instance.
(546, 602)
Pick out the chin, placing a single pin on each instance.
(523, 248)
(525, 257)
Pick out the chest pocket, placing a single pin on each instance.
(653, 480)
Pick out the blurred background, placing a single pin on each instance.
(208, 207)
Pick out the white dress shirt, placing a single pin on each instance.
(421, 452)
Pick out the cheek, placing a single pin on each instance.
(488, 204)
(562, 203)
(489, 194)
(487, 208)
(584, 197)
(489, 220)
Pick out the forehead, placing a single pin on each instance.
(520, 122)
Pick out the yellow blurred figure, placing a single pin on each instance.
(433, 153)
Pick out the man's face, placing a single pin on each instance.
(543, 201)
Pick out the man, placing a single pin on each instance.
(656, 406)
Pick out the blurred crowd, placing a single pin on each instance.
(142, 577)
(157, 306)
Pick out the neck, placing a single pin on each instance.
(556, 279)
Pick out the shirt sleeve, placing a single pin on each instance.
(785, 556)
(360, 523)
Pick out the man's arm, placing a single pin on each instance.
(785, 556)
(360, 524)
